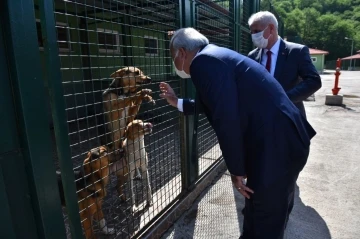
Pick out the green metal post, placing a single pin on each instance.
(189, 164)
(256, 6)
(31, 110)
(17, 216)
(234, 24)
(53, 74)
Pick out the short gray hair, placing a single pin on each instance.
(263, 17)
(188, 38)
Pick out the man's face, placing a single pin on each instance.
(258, 27)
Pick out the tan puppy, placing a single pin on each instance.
(135, 157)
(122, 102)
(91, 187)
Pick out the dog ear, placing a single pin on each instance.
(115, 75)
(118, 73)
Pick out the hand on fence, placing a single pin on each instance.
(239, 184)
(168, 93)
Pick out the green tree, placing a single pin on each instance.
(320, 24)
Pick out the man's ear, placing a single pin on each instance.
(181, 52)
(272, 28)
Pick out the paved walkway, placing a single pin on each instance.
(327, 203)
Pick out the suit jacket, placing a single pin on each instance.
(260, 131)
(294, 71)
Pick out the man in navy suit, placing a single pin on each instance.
(262, 135)
(288, 62)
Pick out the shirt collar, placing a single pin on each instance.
(275, 48)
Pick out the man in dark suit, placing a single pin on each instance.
(262, 135)
(288, 62)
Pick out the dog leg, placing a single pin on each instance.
(137, 174)
(120, 184)
(146, 179)
(99, 216)
(106, 230)
(132, 195)
(86, 212)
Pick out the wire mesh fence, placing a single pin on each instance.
(125, 141)
(212, 19)
(216, 20)
(100, 43)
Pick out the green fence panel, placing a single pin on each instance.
(28, 88)
(17, 216)
(65, 51)
(53, 74)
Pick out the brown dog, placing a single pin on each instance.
(91, 189)
(135, 157)
(122, 102)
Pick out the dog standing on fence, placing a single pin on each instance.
(91, 189)
(135, 157)
(122, 102)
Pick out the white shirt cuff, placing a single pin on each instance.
(180, 105)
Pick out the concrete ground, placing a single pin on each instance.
(327, 203)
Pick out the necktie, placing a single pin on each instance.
(268, 62)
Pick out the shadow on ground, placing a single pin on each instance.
(217, 214)
(305, 222)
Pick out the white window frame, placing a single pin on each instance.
(157, 46)
(68, 35)
(312, 59)
(116, 33)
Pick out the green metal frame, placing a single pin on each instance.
(189, 164)
(17, 216)
(33, 207)
(235, 10)
(27, 84)
(59, 115)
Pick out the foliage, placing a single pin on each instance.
(321, 24)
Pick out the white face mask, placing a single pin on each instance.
(180, 73)
(259, 40)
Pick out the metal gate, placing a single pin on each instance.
(81, 45)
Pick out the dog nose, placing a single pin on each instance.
(148, 79)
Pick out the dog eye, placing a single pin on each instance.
(137, 72)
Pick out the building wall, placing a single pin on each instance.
(84, 82)
(318, 61)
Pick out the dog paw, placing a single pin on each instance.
(146, 91)
(108, 230)
(149, 99)
(152, 102)
(134, 209)
(149, 203)
(122, 197)
(119, 152)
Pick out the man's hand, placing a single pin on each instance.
(168, 93)
(239, 184)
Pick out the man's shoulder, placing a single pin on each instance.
(219, 53)
(293, 45)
